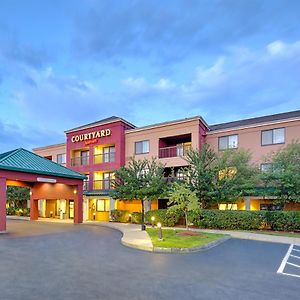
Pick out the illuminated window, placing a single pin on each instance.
(102, 205)
(273, 136)
(142, 147)
(228, 206)
(228, 142)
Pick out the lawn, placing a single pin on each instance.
(171, 239)
(278, 233)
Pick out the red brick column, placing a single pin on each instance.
(78, 203)
(34, 207)
(2, 204)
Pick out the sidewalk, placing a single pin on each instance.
(133, 236)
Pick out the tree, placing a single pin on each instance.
(140, 179)
(201, 172)
(181, 198)
(237, 176)
(17, 195)
(284, 175)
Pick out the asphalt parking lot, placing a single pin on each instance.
(64, 261)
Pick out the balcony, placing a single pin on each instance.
(173, 151)
(104, 158)
(105, 184)
(79, 161)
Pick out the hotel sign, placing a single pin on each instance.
(90, 138)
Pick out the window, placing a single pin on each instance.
(109, 154)
(61, 158)
(228, 206)
(271, 207)
(265, 167)
(84, 156)
(102, 205)
(228, 142)
(86, 182)
(142, 147)
(273, 136)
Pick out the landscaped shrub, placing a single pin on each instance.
(283, 220)
(164, 217)
(119, 215)
(246, 220)
(136, 217)
(16, 211)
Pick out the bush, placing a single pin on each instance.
(164, 217)
(283, 220)
(119, 215)
(246, 220)
(136, 217)
(15, 211)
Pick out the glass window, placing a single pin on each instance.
(142, 147)
(232, 141)
(61, 158)
(278, 136)
(109, 154)
(100, 205)
(273, 136)
(84, 156)
(228, 142)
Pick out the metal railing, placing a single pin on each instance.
(173, 151)
(105, 184)
(79, 161)
(104, 158)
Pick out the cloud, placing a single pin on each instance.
(261, 82)
(165, 32)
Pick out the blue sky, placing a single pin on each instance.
(64, 63)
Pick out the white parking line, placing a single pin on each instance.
(294, 265)
(285, 262)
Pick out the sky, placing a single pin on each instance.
(65, 63)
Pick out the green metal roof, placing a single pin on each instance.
(96, 193)
(22, 160)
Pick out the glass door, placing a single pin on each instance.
(71, 209)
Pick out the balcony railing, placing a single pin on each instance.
(173, 151)
(104, 158)
(79, 161)
(105, 184)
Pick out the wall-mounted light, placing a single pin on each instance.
(30, 193)
(75, 192)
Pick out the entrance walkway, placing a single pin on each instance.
(133, 236)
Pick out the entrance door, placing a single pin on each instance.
(71, 209)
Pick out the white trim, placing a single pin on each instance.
(251, 126)
(164, 124)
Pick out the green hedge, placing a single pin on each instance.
(162, 215)
(15, 211)
(246, 220)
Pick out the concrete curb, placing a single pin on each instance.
(18, 218)
(3, 232)
(192, 249)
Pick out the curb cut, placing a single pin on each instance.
(193, 249)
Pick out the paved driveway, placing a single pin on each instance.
(64, 261)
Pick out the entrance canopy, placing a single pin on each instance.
(45, 178)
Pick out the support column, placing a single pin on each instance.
(247, 199)
(34, 207)
(2, 204)
(78, 204)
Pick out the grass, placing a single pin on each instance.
(172, 240)
(278, 233)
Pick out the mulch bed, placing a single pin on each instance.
(189, 233)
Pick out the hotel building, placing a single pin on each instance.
(99, 148)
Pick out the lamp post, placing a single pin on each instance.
(152, 220)
(160, 236)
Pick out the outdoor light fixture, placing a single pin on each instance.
(30, 193)
(160, 237)
(47, 180)
(75, 192)
(152, 219)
